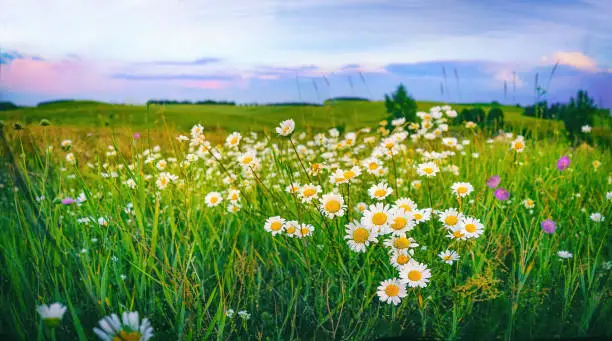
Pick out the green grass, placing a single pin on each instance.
(185, 264)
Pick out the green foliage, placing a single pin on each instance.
(495, 119)
(577, 114)
(401, 104)
(8, 106)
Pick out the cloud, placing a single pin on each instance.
(171, 77)
(200, 61)
(576, 59)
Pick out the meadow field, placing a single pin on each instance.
(299, 223)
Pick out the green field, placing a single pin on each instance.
(138, 239)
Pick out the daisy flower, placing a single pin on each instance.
(164, 178)
(372, 165)
(421, 215)
(472, 227)
(332, 205)
(399, 258)
(130, 183)
(449, 256)
(400, 243)
(416, 184)
(285, 128)
(360, 207)
(586, 129)
(293, 188)
(66, 144)
(305, 230)
(392, 291)
(274, 225)
(415, 274)
(597, 217)
(456, 232)
(291, 228)
(358, 237)
(51, 314)
(213, 199)
(462, 189)
(380, 191)
(247, 159)
(450, 217)
(70, 158)
(565, 254)
(518, 145)
(351, 174)
(406, 204)
(161, 165)
(596, 164)
(233, 208)
(233, 195)
(128, 328)
(309, 192)
(528, 203)
(378, 216)
(400, 222)
(233, 140)
(428, 169)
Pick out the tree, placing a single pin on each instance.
(577, 114)
(495, 119)
(400, 104)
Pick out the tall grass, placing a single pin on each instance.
(168, 255)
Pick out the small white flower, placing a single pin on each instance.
(286, 128)
(597, 217)
(51, 314)
(565, 254)
(449, 256)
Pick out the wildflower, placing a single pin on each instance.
(233, 195)
(66, 144)
(305, 230)
(292, 188)
(596, 164)
(70, 158)
(291, 228)
(428, 169)
(399, 258)
(528, 203)
(309, 192)
(493, 181)
(358, 237)
(213, 199)
(233, 208)
(597, 217)
(609, 196)
(548, 226)
(229, 313)
(422, 215)
(102, 221)
(247, 159)
(563, 163)
(51, 314)
(472, 227)
(274, 225)
(470, 125)
(586, 129)
(449, 256)
(128, 328)
(161, 165)
(400, 242)
(392, 291)
(377, 216)
(379, 191)
(415, 274)
(286, 128)
(164, 178)
(332, 205)
(400, 222)
(68, 201)
(565, 254)
(406, 204)
(233, 140)
(416, 184)
(130, 183)
(136, 136)
(501, 194)
(360, 207)
(462, 189)
(518, 145)
(450, 217)
(244, 314)
(456, 232)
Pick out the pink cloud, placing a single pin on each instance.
(576, 59)
(207, 84)
(55, 77)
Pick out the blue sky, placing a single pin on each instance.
(259, 51)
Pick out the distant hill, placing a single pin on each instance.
(8, 106)
(62, 102)
(346, 99)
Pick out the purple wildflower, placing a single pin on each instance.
(68, 201)
(501, 194)
(494, 181)
(549, 226)
(563, 163)
(136, 136)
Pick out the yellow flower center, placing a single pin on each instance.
(518, 145)
(406, 207)
(417, 185)
(361, 235)
(415, 275)
(234, 140)
(309, 192)
(349, 174)
(392, 290)
(214, 200)
(399, 223)
(305, 230)
(471, 228)
(275, 226)
(127, 336)
(373, 166)
(332, 206)
(418, 216)
(379, 218)
(451, 220)
(247, 160)
(428, 170)
(447, 257)
(402, 259)
(457, 234)
(462, 190)
(401, 243)
(380, 193)
(234, 197)
(290, 229)
(163, 181)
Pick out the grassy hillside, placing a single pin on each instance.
(351, 114)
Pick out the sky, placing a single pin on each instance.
(129, 51)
